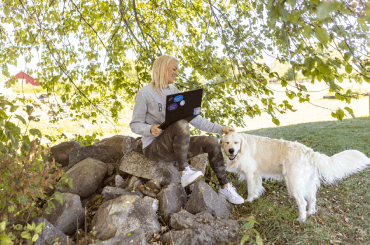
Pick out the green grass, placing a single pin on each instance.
(27, 88)
(343, 210)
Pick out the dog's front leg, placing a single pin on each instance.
(251, 187)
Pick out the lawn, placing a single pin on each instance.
(343, 210)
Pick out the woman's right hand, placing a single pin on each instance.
(155, 130)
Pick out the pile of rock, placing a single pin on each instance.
(141, 200)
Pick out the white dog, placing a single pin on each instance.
(254, 157)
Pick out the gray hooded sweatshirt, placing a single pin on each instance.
(149, 110)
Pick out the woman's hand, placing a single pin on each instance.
(226, 130)
(155, 130)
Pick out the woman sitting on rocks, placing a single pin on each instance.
(174, 143)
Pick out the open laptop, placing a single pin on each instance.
(184, 105)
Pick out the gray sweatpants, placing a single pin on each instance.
(175, 144)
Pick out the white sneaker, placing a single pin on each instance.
(189, 176)
(229, 193)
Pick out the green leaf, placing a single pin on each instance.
(26, 235)
(340, 114)
(276, 121)
(2, 226)
(322, 11)
(332, 84)
(316, 2)
(18, 227)
(40, 227)
(259, 240)
(360, 20)
(4, 239)
(244, 239)
(348, 68)
(247, 226)
(350, 111)
(21, 119)
(307, 31)
(367, 79)
(35, 131)
(3, 115)
(59, 197)
(292, 3)
(35, 237)
(29, 227)
(322, 35)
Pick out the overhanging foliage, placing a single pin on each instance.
(83, 48)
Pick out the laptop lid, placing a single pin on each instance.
(185, 105)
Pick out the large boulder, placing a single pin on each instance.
(201, 228)
(136, 237)
(50, 234)
(90, 151)
(61, 152)
(204, 198)
(199, 162)
(110, 192)
(68, 216)
(171, 200)
(137, 164)
(87, 176)
(183, 237)
(116, 146)
(123, 215)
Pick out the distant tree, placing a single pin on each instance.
(90, 40)
(289, 75)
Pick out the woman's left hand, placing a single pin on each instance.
(226, 130)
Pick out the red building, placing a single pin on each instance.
(28, 78)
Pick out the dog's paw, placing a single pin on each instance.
(302, 220)
(250, 199)
(309, 212)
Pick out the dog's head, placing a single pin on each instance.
(231, 145)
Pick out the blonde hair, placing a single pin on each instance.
(159, 73)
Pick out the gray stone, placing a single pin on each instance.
(206, 229)
(137, 164)
(123, 215)
(153, 202)
(116, 146)
(199, 162)
(136, 237)
(119, 181)
(87, 176)
(79, 154)
(147, 192)
(111, 168)
(204, 198)
(110, 192)
(61, 152)
(65, 216)
(171, 200)
(50, 233)
(153, 185)
(134, 182)
(183, 237)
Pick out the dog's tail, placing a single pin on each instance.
(341, 165)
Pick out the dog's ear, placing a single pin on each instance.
(220, 142)
(241, 144)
